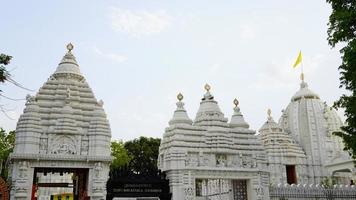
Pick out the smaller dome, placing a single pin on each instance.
(270, 124)
(304, 92)
(237, 119)
(180, 115)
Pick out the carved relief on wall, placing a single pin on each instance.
(23, 168)
(43, 145)
(191, 160)
(63, 145)
(97, 169)
(203, 159)
(189, 193)
(247, 161)
(221, 160)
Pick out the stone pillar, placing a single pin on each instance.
(97, 181)
(22, 181)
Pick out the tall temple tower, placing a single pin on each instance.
(63, 130)
(311, 123)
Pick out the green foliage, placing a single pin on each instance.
(7, 142)
(328, 182)
(144, 154)
(342, 30)
(4, 60)
(121, 157)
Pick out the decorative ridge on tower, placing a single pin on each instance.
(68, 64)
(180, 115)
(237, 119)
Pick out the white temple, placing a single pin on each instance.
(63, 129)
(301, 146)
(212, 157)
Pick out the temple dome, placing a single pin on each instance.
(311, 123)
(304, 92)
(180, 115)
(237, 119)
(276, 141)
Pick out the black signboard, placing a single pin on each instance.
(126, 183)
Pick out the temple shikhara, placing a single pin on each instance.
(63, 141)
(62, 132)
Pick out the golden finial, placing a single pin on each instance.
(302, 76)
(269, 112)
(207, 87)
(70, 47)
(236, 102)
(180, 97)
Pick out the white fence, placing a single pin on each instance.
(312, 192)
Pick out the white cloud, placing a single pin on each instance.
(139, 23)
(112, 56)
(248, 31)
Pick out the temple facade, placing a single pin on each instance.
(211, 157)
(301, 148)
(63, 131)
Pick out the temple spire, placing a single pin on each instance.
(70, 47)
(269, 114)
(180, 115)
(237, 119)
(302, 76)
(68, 64)
(207, 87)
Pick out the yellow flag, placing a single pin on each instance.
(299, 59)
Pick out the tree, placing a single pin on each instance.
(4, 60)
(144, 154)
(121, 157)
(342, 30)
(7, 142)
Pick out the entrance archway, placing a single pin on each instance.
(60, 184)
(342, 176)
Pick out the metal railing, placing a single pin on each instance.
(312, 192)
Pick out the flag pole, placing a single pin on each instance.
(302, 70)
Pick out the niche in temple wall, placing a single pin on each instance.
(84, 145)
(43, 144)
(221, 160)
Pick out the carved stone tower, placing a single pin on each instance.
(63, 129)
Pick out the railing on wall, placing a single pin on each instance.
(312, 192)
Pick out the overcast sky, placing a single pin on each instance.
(138, 54)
